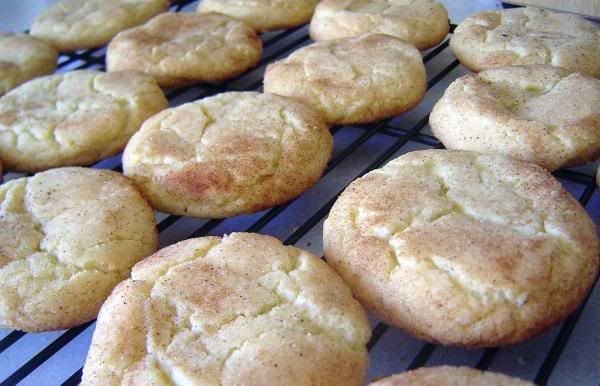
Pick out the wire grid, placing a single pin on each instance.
(58, 357)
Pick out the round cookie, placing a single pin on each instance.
(234, 153)
(462, 248)
(527, 36)
(70, 25)
(242, 309)
(22, 58)
(450, 376)
(423, 23)
(182, 48)
(538, 113)
(75, 118)
(263, 15)
(74, 234)
(354, 80)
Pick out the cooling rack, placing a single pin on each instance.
(566, 355)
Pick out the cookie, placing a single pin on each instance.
(450, 376)
(234, 153)
(422, 23)
(22, 58)
(461, 248)
(74, 234)
(71, 25)
(527, 36)
(178, 49)
(263, 15)
(242, 309)
(75, 118)
(353, 80)
(537, 113)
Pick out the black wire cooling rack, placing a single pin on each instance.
(566, 355)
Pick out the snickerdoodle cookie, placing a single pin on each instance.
(352, 80)
(70, 25)
(462, 248)
(538, 113)
(528, 36)
(182, 48)
(263, 15)
(68, 237)
(22, 58)
(237, 152)
(242, 309)
(422, 23)
(75, 118)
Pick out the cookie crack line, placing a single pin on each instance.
(279, 148)
(171, 267)
(123, 103)
(197, 144)
(165, 370)
(359, 8)
(234, 350)
(355, 69)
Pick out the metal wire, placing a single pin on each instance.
(399, 136)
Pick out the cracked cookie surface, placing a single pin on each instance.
(237, 152)
(528, 36)
(183, 48)
(241, 309)
(450, 376)
(263, 15)
(353, 80)
(75, 118)
(422, 23)
(70, 25)
(537, 113)
(22, 58)
(461, 248)
(68, 237)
